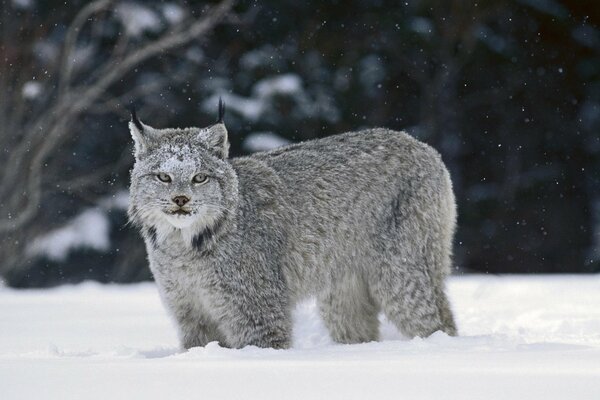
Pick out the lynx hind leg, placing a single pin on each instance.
(349, 311)
(446, 315)
(411, 283)
(414, 302)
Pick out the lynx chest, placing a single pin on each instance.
(181, 271)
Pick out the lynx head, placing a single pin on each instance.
(181, 179)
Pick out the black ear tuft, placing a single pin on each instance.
(221, 111)
(135, 119)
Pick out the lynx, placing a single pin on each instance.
(363, 221)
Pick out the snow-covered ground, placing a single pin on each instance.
(521, 338)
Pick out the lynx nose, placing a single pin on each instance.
(180, 200)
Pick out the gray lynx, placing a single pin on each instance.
(363, 221)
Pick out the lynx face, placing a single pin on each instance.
(180, 179)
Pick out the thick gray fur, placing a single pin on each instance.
(364, 221)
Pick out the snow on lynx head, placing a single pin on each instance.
(181, 180)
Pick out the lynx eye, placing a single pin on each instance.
(200, 178)
(163, 177)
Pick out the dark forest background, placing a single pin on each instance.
(507, 91)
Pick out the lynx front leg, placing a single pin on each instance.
(195, 328)
(275, 335)
(257, 322)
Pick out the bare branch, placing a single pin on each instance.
(166, 43)
(66, 65)
(56, 121)
(115, 103)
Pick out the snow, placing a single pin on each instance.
(493, 41)
(587, 35)
(31, 90)
(421, 25)
(286, 84)
(372, 72)
(265, 91)
(173, 13)
(263, 141)
(46, 51)
(137, 19)
(195, 54)
(90, 229)
(252, 108)
(23, 4)
(116, 201)
(248, 107)
(266, 56)
(550, 7)
(522, 337)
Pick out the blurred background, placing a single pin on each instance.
(507, 91)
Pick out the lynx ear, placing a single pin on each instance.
(215, 138)
(140, 133)
(221, 118)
